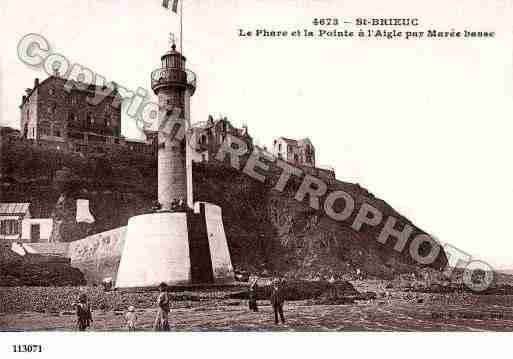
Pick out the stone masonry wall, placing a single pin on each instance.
(98, 256)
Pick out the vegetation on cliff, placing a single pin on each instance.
(268, 231)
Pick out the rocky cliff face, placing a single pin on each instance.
(271, 231)
(267, 230)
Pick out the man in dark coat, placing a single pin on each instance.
(163, 303)
(277, 299)
(84, 316)
(253, 289)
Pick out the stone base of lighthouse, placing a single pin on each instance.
(180, 248)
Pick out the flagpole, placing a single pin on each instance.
(181, 27)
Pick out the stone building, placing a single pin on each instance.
(77, 117)
(297, 152)
(301, 153)
(208, 138)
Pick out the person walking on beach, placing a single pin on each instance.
(84, 316)
(131, 319)
(253, 288)
(163, 302)
(277, 299)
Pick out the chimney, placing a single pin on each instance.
(36, 82)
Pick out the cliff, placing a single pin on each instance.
(267, 231)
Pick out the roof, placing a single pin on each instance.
(289, 140)
(77, 86)
(14, 208)
(292, 142)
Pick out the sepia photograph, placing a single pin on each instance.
(279, 168)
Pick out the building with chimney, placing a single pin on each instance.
(75, 117)
(207, 139)
(301, 153)
(298, 152)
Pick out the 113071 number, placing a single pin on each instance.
(27, 348)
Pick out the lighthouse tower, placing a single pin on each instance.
(174, 86)
(177, 245)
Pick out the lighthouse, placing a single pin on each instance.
(182, 243)
(174, 85)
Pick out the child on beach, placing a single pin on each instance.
(131, 319)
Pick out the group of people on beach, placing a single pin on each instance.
(85, 318)
(277, 298)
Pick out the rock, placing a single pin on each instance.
(367, 296)
(37, 270)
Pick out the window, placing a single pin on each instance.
(51, 91)
(9, 227)
(279, 147)
(57, 132)
(296, 158)
(45, 131)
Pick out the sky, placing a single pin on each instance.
(424, 124)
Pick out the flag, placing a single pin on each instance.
(174, 7)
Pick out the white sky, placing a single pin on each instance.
(423, 124)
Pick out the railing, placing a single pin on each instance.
(164, 76)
